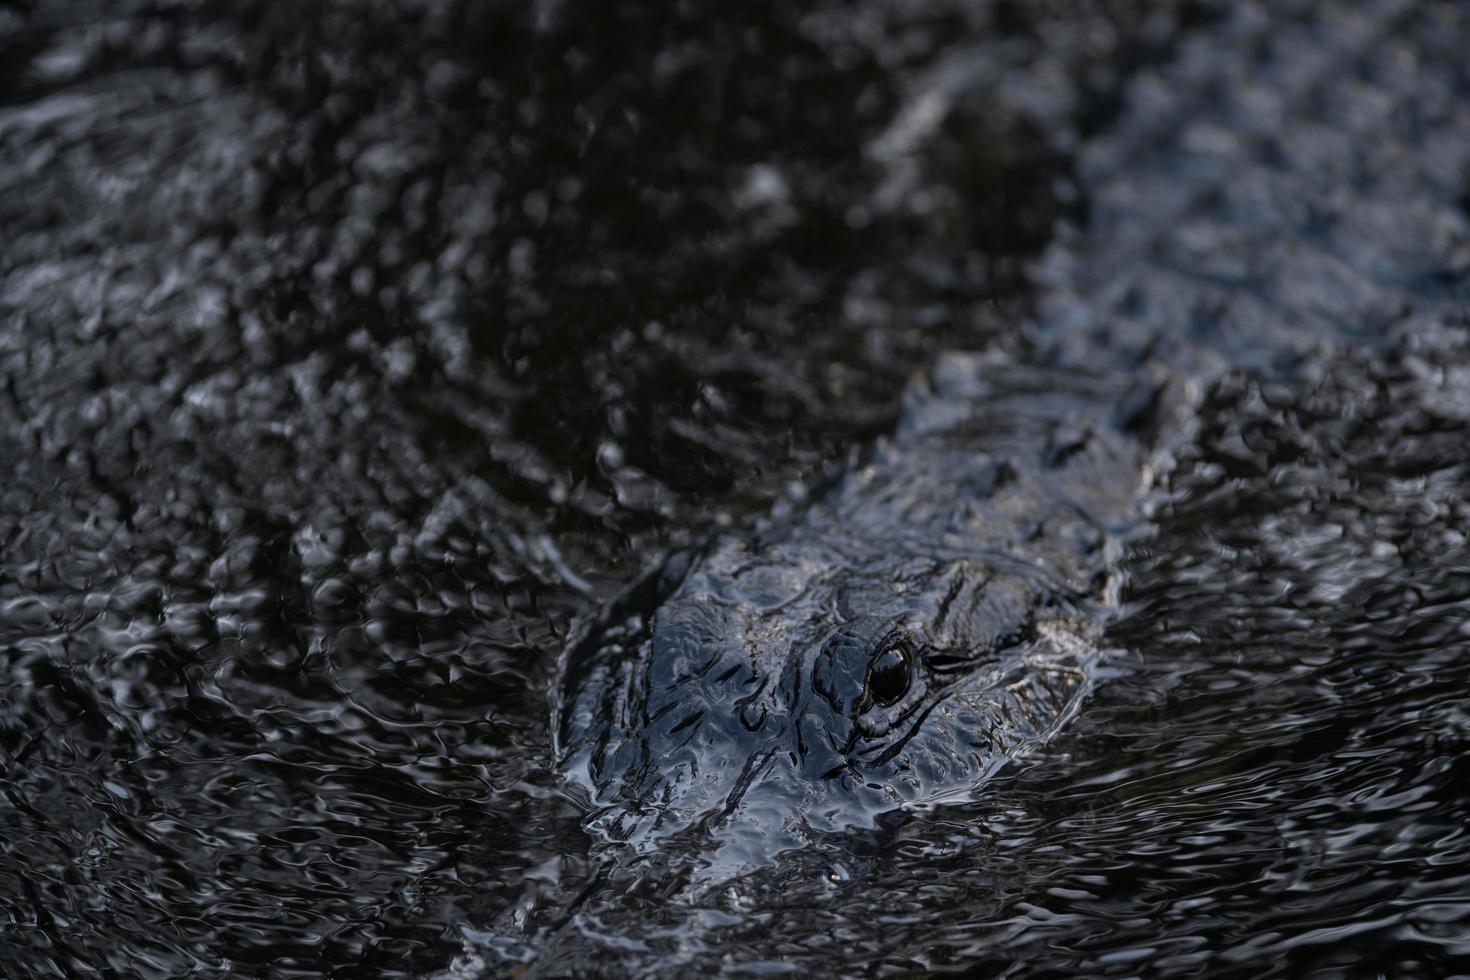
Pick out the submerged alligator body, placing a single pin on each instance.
(936, 612)
(1281, 185)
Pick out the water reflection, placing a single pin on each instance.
(345, 351)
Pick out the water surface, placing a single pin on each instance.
(347, 356)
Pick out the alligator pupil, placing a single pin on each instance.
(888, 677)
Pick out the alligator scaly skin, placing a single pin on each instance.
(1292, 180)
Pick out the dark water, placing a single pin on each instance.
(349, 354)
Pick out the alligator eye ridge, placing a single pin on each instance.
(888, 675)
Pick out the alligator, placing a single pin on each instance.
(1292, 180)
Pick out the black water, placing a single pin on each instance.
(349, 353)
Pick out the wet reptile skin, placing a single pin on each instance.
(1293, 179)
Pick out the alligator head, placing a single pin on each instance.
(888, 646)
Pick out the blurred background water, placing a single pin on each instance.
(349, 351)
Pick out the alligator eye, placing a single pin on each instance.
(888, 676)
